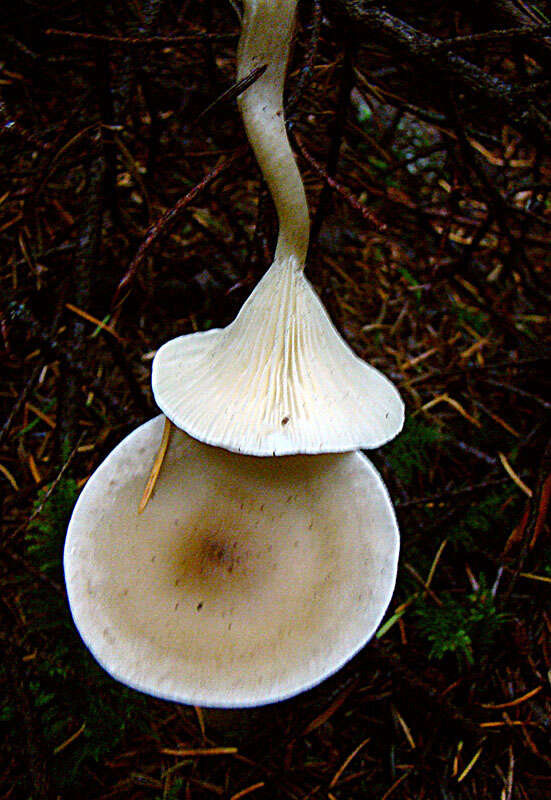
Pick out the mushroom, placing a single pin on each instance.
(244, 581)
(279, 379)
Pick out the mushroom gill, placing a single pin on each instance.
(279, 379)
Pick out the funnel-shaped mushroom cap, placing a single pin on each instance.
(243, 582)
(278, 380)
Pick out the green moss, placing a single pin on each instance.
(68, 688)
(47, 532)
(406, 274)
(472, 317)
(465, 625)
(413, 451)
(483, 518)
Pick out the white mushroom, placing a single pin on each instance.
(279, 379)
(244, 581)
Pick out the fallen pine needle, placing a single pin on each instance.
(473, 348)
(160, 457)
(335, 705)
(423, 583)
(395, 785)
(41, 415)
(445, 398)
(346, 762)
(199, 751)
(435, 562)
(7, 474)
(390, 622)
(515, 702)
(85, 315)
(455, 766)
(497, 161)
(405, 728)
(501, 422)
(247, 791)
(469, 766)
(502, 724)
(513, 475)
(34, 469)
(543, 578)
(200, 720)
(414, 361)
(70, 740)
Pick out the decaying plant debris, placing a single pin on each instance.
(127, 217)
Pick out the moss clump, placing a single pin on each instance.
(47, 532)
(484, 518)
(412, 453)
(473, 318)
(466, 625)
(69, 691)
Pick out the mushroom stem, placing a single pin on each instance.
(266, 39)
(279, 379)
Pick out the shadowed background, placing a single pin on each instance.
(131, 211)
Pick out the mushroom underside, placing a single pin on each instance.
(244, 581)
(278, 380)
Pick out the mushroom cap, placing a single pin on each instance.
(278, 380)
(244, 581)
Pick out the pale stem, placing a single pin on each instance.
(266, 39)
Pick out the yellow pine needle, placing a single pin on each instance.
(435, 562)
(90, 318)
(405, 728)
(543, 578)
(201, 720)
(469, 766)
(515, 702)
(247, 791)
(513, 475)
(156, 469)
(455, 767)
(41, 415)
(346, 762)
(445, 398)
(7, 474)
(192, 752)
(34, 469)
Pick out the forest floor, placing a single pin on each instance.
(128, 217)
